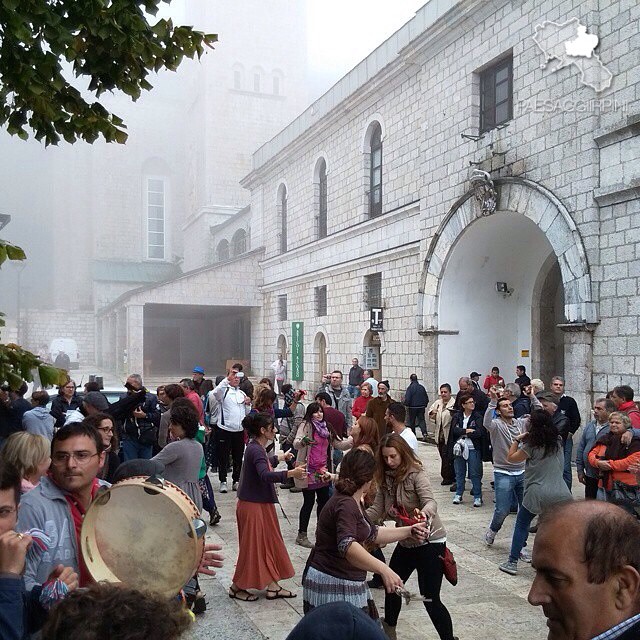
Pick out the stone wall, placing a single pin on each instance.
(424, 98)
(41, 327)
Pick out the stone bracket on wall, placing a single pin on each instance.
(439, 332)
(520, 197)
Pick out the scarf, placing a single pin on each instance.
(615, 450)
(321, 428)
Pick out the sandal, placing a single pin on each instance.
(279, 594)
(241, 594)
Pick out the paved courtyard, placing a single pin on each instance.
(485, 605)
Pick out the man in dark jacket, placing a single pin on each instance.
(569, 407)
(14, 406)
(466, 385)
(523, 380)
(416, 400)
(140, 426)
(356, 378)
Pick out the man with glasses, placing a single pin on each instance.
(58, 504)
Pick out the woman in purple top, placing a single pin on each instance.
(263, 559)
(315, 440)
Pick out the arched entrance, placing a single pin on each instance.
(480, 326)
(320, 357)
(281, 346)
(525, 244)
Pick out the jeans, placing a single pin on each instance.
(416, 419)
(337, 458)
(426, 560)
(520, 532)
(474, 464)
(568, 449)
(353, 390)
(505, 486)
(132, 449)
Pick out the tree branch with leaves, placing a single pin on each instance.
(109, 42)
(18, 364)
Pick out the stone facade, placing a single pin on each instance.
(190, 142)
(41, 327)
(570, 171)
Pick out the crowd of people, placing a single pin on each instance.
(351, 450)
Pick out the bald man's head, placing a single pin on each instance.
(587, 561)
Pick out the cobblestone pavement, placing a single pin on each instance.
(485, 605)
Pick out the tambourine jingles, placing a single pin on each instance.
(145, 533)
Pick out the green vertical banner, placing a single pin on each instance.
(297, 351)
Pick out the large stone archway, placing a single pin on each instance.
(517, 196)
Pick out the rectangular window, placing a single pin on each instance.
(496, 94)
(282, 307)
(321, 301)
(322, 212)
(373, 290)
(156, 235)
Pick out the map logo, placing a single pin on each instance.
(570, 44)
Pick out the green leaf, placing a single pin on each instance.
(15, 253)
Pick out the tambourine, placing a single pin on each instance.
(145, 533)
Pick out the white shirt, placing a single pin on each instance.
(232, 406)
(410, 438)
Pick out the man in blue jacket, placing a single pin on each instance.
(20, 611)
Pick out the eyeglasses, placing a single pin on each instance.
(81, 457)
(70, 386)
(105, 429)
(5, 512)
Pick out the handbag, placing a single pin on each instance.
(625, 495)
(449, 566)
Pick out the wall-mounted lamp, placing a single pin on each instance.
(503, 288)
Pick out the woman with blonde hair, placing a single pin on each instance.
(30, 454)
(405, 495)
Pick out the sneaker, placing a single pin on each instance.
(477, 502)
(489, 536)
(234, 486)
(457, 499)
(223, 487)
(509, 567)
(525, 556)
(303, 541)
(214, 518)
(453, 487)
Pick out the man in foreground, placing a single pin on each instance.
(588, 583)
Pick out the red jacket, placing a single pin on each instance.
(631, 409)
(491, 380)
(359, 406)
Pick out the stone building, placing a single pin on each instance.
(101, 221)
(484, 200)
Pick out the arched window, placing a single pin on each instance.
(321, 186)
(375, 171)
(238, 77)
(277, 82)
(223, 250)
(257, 74)
(282, 215)
(239, 242)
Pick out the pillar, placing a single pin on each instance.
(135, 338)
